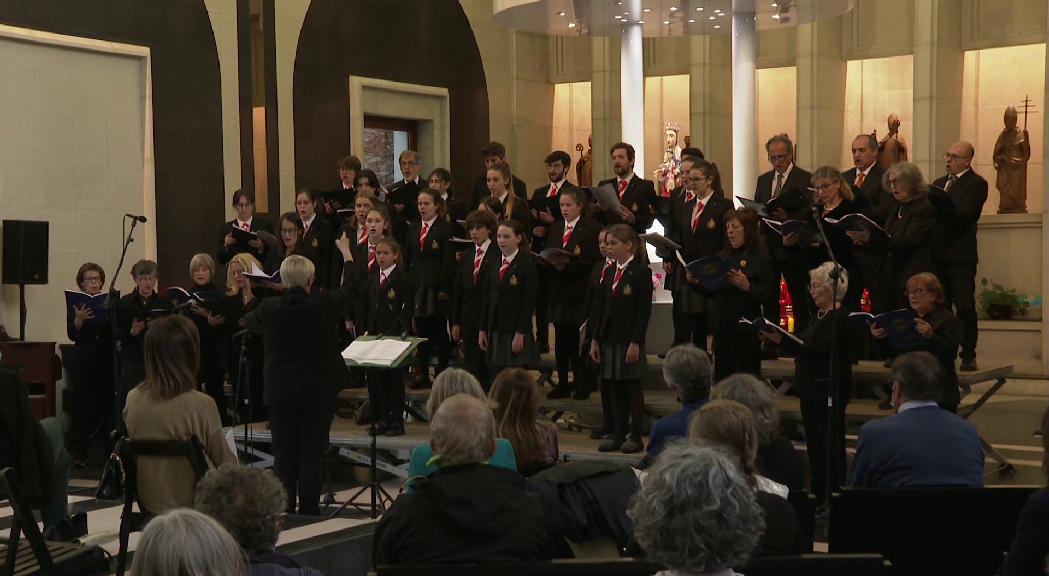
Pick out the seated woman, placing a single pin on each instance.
(696, 513)
(939, 328)
(187, 543)
(516, 405)
(729, 424)
(167, 406)
(687, 372)
(447, 384)
(777, 459)
(1030, 547)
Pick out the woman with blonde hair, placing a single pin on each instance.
(167, 406)
(184, 542)
(243, 297)
(210, 322)
(452, 382)
(516, 405)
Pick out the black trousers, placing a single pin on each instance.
(212, 381)
(435, 329)
(93, 411)
(814, 412)
(628, 407)
(691, 328)
(736, 351)
(300, 439)
(566, 353)
(386, 395)
(959, 285)
(474, 360)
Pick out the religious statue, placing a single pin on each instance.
(1011, 153)
(891, 148)
(666, 175)
(584, 167)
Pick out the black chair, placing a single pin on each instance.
(819, 565)
(611, 567)
(42, 557)
(129, 451)
(804, 504)
(954, 531)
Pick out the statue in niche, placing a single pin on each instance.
(1011, 154)
(584, 168)
(891, 148)
(666, 175)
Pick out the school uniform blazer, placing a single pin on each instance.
(594, 282)
(224, 255)
(516, 208)
(466, 295)
(956, 228)
(639, 197)
(877, 199)
(507, 304)
(708, 238)
(541, 199)
(621, 316)
(320, 239)
(433, 264)
(387, 309)
(302, 364)
(568, 286)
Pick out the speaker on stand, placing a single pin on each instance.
(24, 259)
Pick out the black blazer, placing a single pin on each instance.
(542, 201)
(226, 254)
(795, 191)
(387, 309)
(92, 344)
(132, 307)
(467, 296)
(480, 190)
(621, 317)
(956, 227)
(639, 197)
(946, 338)
(568, 286)
(733, 303)
(907, 252)
(432, 265)
(878, 200)
(303, 365)
(320, 243)
(812, 365)
(406, 193)
(516, 208)
(706, 240)
(507, 304)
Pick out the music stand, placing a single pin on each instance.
(379, 495)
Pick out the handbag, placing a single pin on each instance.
(111, 486)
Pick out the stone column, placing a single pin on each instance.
(710, 95)
(821, 93)
(744, 96)
(938, 60)
(604, 100)
(632, 84)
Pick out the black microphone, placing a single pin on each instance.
(141, 219)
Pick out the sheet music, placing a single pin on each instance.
(382, 352)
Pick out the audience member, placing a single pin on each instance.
(168, 406)
(248, 502)
(185, 542)
(466, 512)
(515, 399)
(922, 445)
(695, 512)
(447, 384)
(777, 459)
(1030, 548)
(729, 424)
(687, 372)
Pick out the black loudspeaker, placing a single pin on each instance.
(25, 252)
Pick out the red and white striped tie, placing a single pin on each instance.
(477, 264)
(423, 234)
(567, 236)
(695, 215)
(615, 281)
(362, 236)
(245, 227)
(504, 268)
(608, 263)
(371, 258)
(553, 191)
(383, 277)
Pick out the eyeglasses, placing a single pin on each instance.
(916, 292)
(824, 186)
(949, 156)
(891, 182)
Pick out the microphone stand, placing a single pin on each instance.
(832, 451)
(111, 304)
(244, 390)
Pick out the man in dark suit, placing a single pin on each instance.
(404, 193)
(302, 369)
(865, 177)
(922, 445)
(790, 185)
(637, 195)
(954, 254)
(493, 154)
(244, 204)
(546, 210)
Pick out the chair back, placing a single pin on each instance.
(23, 521)
(819, 565)
(928, 530)
(804, 504)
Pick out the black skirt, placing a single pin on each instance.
(614, 365)
(500, 352)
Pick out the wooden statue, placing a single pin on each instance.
(892, 148)
(584, 167)
(666, 175)
(1011, 154)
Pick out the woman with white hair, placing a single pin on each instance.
(184, 542)
(687, 371)
(696, 512)
(830, 330)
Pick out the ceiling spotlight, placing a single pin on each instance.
(717, 26)
(640, 21)
(560, 13)
(626, 13)
(775, 16)
(691, 20)
(571, 24)
(666, 21)
(710, 17)
(647, 10)
(673, 8)
(774, 5)
(700, 9)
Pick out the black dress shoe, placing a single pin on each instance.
(395, 429)
(558, 393)
(599, 433)
(379, 429)
(610, 445)
(968, 365)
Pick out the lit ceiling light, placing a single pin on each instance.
(700, 9)
(673, 8)
(775, 16)
(647, 10)
(691, 20)
(710, 17)
(571, 24)
(626, 13)
(774, 5)
(560, 13)
(666, 21)
(640, 21)
(717, 26)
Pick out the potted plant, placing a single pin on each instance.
(1000, 303)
